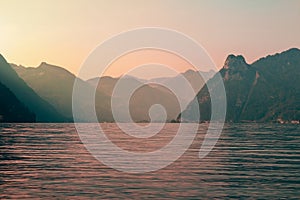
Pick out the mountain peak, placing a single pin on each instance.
(292, 51)
(235, 62)
(43, 64)
(46, 67)
(2, 59)
(189, 71)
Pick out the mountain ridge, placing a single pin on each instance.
(266, 90)
(55, 84)
(43, 110)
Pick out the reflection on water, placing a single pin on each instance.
(250, 160)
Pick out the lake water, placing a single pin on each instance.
(249, 161)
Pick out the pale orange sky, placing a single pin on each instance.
(65, 32)
(154, 61)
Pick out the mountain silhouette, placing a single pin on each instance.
(266, 90)
(11, 109)
(151, 92)
(55, 84)
(141, 100)
(43, 110)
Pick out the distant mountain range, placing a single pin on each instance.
(154, 91)
(267, 90)
(55, 85)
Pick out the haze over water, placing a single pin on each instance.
(249, 160)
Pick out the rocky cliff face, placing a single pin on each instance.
(267, 90)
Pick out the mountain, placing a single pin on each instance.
(52, 83)
(11, 109)
(184, 81)
(267, 90)
(141, 100)
(43, 110)
(194, 77)
(55, 84)
(153, 91)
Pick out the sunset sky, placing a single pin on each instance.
(64, 32)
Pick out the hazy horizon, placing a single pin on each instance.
(154, 70)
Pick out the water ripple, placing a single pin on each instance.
(249, 161)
